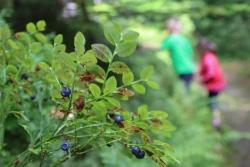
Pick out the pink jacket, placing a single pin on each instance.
(211, 72)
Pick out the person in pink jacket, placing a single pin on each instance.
(212, 76)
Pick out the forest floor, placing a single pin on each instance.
(237, 109)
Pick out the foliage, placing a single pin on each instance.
(84, 98)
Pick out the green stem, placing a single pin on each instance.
(2, 117)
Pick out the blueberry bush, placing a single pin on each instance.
(62, 105)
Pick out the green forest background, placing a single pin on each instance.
(225, 22)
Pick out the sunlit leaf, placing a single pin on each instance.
(139, 88)
(95, 90)
(110, 85)
(102, 52)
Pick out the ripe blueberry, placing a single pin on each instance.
(118, 119)
(24, 77)
(65, 146)
(135, 150)
(140, 154)
(65, 91)
(33, 97)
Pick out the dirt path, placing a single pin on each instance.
(238, 109)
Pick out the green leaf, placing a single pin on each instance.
(119, 67)
(58, 39)
(100, 108)
(41, 25)
(110, 85)
(97, 70)
(41, 38)
(12, 44)
(159, 114)
(88, 58)
(26, 128)
(35, 47)
(130, 36)
(31, 28)
(95, 90)
(113, 101)
(35, 151)
(127, 78)
(147, 72)
(11, 69)
(139, 88)
(79, 43)
(143, 111)
(102, 52)
(112, 33)
(126, 48)
(153, 84)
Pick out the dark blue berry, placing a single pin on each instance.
(65, 91)
(118, 119)
(135, 150)
(24, 77)
(65, 146)
(33, 97)
(140, 155)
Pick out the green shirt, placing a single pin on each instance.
(181, 53)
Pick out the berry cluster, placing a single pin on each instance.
(138, 152)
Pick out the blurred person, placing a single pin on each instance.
(211, 76)
(181, 52)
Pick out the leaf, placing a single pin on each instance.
(95, 90)
(153, 84)
(139, 88)
(31, 28)
(97, 70)
(41, 38)
(58, 39)
(126, 48)
(127, 78)
(147, 72)
(130, 36)
(79, 43)
(143, 111)
(113, 101)
(25, 127)
(41, 25)
(112, 33)
(110, 85)
(88, 58)
(35, 151)
(102, 52)
(119, 67)
(12, 44)
(100, 108)
(11, 69)
(159, 114)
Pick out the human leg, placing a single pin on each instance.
(213, 105)
(186, 80)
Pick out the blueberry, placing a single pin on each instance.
(65, 91)
(140, 155)
(135, 150)
(24, 77)
(65, 146)
(118, 119)
(33, 97)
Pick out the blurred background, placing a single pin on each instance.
(225, 22)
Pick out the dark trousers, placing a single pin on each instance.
(187, 80)
(213, 104)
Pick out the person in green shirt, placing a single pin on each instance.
(181, 52)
